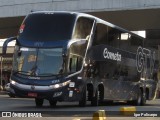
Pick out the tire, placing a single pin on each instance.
(95, 99)
(52, 103)
(141, 99)
(101, 98)
(144, 98)
(39, 102)
(11, 95)
(83, 101)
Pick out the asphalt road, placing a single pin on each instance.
(71, 110)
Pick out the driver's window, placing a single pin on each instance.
(75, 63)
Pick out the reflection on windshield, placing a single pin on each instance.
(38, 62)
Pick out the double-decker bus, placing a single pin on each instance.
(69, 56)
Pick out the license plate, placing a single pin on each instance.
(32, 94)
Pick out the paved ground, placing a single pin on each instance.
(71, 111)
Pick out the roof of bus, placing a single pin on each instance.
(98, 20)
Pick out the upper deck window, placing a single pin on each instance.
(47, 27)
(83, 28)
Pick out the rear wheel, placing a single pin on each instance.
(141, 98)
(39, 102)
(95, 99)
(143, 101)
(83, 101)
(52, 103)
(101, 97)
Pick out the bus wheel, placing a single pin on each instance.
(143, 101)
(83, 101)
(139, 99)
(95, 99)
(101, 97)
(39, 102)
(11, 95)
(52, 103)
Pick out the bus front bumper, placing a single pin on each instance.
(62, 93)
(59, 93)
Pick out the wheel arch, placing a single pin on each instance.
(101, 91)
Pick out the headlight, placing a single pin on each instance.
(142, 78)
(13, 82)
(56, 85)
(60, 84)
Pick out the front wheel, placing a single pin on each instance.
(11, 95)
(39, 102)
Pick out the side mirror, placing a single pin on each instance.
(4, 48)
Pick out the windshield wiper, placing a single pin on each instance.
(50, 75)
(22, 72)
(40, 75)
(34, 70)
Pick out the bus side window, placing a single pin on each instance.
(106, 35)
(113, 37)
(83, 28)
(125, 41)
(101, 35)
(75, 64)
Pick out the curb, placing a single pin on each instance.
(126, 111)
(99, 115)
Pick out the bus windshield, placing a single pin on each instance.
(47, 27)
(37, 61)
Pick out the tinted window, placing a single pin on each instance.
(83, 28)
(135, 42)
(42, 26)
(106, 35)
(113, 37)
(124, 43)
(101, 34)
(75, 63)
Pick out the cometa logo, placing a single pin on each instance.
(36, 78)
(111, 55)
